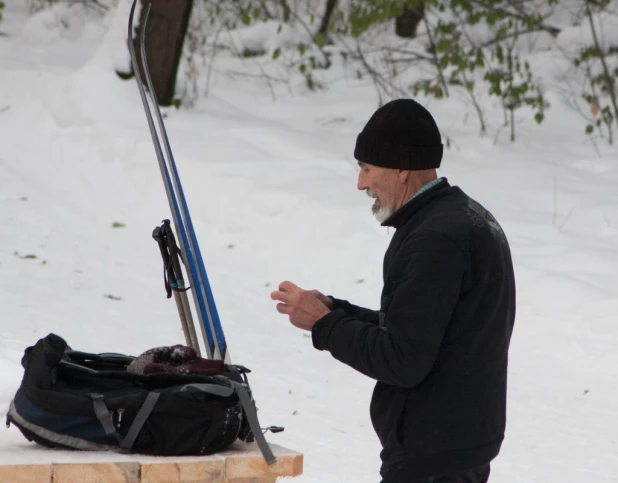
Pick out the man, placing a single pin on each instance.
(438, 346)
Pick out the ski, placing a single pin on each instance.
(210, 324)
(220, 346)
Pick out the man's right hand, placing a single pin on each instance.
(322, 298)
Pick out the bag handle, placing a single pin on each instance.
(112, 357)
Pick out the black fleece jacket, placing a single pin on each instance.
(438, 346)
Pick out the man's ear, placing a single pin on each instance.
(404, 175)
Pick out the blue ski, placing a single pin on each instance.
(210, 324)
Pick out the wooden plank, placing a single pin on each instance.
(96, 473)
(242, 463)
(26, 473)
(255, 466)
(252, 480)
(183, 472)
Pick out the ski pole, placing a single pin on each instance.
(174, 282)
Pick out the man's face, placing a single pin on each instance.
(380, 184)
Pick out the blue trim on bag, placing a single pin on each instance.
(89, 429)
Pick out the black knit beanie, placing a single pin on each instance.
(401, 134)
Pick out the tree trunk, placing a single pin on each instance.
(165, 33)
(407, 23)
(328, 15)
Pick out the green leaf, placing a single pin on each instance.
(302, 68)
(590, 53)
(276, 53)
(30, 256)
(475, 18)
(608, 117)
(503, 31)
(310, 83)
(446, 29)
(444, 45)
(320, 39)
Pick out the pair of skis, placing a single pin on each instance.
(212, 331)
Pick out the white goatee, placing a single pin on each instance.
(379, 210)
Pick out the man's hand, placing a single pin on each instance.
(304, 307)
(322, 298)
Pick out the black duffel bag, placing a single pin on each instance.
(78, 400)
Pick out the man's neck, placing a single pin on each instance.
(423, 186)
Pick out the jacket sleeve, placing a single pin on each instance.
(422, 303)
(360, 313)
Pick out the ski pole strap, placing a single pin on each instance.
(254, 424)
(141, 417)
(168, 272)
(171, 254)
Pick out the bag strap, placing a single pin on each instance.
(141, 417)
(216, 389)
(126, 443)
(104, 417)
(254, 424)
(248, 407)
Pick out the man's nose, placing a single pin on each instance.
(362, 182)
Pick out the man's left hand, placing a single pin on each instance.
(302, 306)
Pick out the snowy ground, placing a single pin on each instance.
(271, 186)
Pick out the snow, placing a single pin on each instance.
(271, 185)
(580, 36)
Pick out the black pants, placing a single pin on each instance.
(476, 475)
